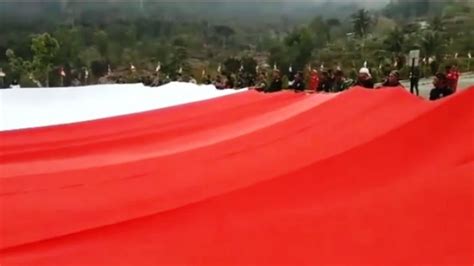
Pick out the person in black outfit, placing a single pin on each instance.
(218, 83)
(326, 82)
(207, 80)
(276, 84)
(230, 82)
(298, 84)
(414, 80)
(441, 88)
(365, 79)
(291, 77)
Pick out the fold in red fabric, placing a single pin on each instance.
(360, 177)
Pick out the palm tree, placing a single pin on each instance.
(437, 24)
(395, 44)
(225, 32)
(361, 21)
(331, 23)
(394, 41)
(432, 43)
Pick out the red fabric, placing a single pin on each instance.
(453, 79)
(314, 82)
(375, 177)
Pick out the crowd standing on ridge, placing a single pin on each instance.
(313, 81)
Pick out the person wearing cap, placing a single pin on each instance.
(441, 88)
(298, 84)
(276, 84)
(364, 79)
(393, 80)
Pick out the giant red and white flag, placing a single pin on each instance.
(363, 177)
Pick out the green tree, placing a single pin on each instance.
(361, 21)
(89, 55)
(432, 43)
(71, 43)
(225, 32)
(44, 48)
(232, 65)
(18, 66)
(249, 64)
(101, 40)
(437, 24)
(331, 23)
(394, 42)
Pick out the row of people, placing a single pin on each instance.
(444, 84)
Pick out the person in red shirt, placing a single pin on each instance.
(314, 81)
(452, 74)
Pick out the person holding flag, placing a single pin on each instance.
(452, 75)
(441, 89)
(276, 84)
(291, 76)
(62, 73)
(2, 78)
(298, 84)
(469, 61)
(364, 79)
(179, 77)
(313, 80)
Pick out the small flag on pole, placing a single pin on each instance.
(158, 67)
(62, 73)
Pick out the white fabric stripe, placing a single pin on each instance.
(36, 107)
